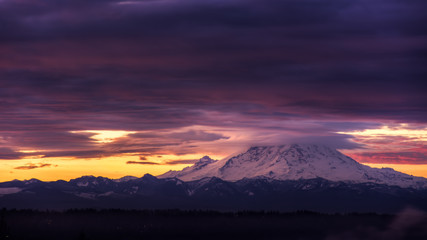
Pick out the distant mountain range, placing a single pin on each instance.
(283, 178)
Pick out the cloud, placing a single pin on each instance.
(143, 163)
(30, 166)
(259, 73)
(393, 157)
(175, 162)
(9, 154)
(168, 162)
(196, 135)
(394, 143)
(79, 154)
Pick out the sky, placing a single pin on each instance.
(113, 88)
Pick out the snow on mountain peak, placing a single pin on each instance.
(204, 161)
(89, 180)
(198, 169)
(293, 162)
(125, 179)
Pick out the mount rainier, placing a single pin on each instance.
(295, 162)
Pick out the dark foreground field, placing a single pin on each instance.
(176, 224)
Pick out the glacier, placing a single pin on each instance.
(294, 162)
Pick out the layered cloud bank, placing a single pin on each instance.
(140, 79)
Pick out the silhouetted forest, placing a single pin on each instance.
(178, 224)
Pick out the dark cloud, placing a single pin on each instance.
(79, 154)
(334, 141)
(143, 163)
(169, 162)
(289, 55)
(174, 162)
(46, 139)
(9, 154)
(31, 166)
(196, 135)
(153, 66)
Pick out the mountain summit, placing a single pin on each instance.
(294, 162)
(197, 169)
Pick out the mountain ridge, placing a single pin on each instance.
(149, 192)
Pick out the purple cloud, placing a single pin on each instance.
(9, 154)
(297, 68)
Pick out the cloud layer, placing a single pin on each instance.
(194, 76)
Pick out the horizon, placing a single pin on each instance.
(115, 88)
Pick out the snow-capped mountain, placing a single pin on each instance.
(294, 162)
(197, 169)
(125, 179)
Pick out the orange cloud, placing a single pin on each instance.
(396, 144)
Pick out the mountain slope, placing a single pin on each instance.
(293, 162)
(200, 169)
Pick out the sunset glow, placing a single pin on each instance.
(48, 169)
(105, 136)
(401, 130)
(391, 146)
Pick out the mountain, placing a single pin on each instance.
(198, 170)
(294, 162)
(149, 192)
